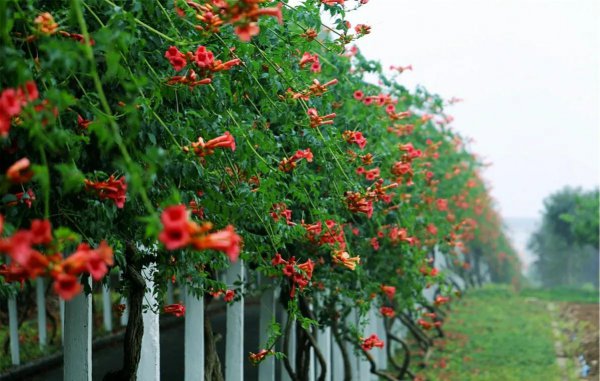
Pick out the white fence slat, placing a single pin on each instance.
(78, 338)
(291, 345)
(194, 338)
(311, 365)
(324, 342)
(125, 315)
(364, 372)
(382, 358)
(61, 310)
(13, 326)
(41, 311)
(149, 366)
(352, 353)
(266, 369)
(234, 336)
(107, 308)
(337, 363)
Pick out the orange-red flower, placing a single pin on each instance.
(316, 120)
(20, 171)
(387, 311)
(41, 232)
(202, 148)
(67, 286)
(355, 137)
(343, 258)
(288, 164)
(229, 296)
(45, 23)
(178, 232)
(115, 190)
(175, 309)
(225, 240)
(176, 229)
(389, 291)
(370, 342)
(256, 358)
(176, 58)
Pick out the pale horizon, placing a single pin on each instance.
(528, 72)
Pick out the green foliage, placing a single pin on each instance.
(116, 108)
(496, 334)
(566, 243)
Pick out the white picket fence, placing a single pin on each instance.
(76, 319)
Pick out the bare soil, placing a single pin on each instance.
(586, 317)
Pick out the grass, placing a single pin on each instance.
(563, 294)
(494, 334)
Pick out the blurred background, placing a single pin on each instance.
(528, 75)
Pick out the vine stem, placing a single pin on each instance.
(47, 185)
(76, 7)
(143, 24)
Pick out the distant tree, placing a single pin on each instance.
(566, 243)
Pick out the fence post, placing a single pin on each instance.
(78, 337)
(125, 314)
(61, 310)
(107, 308)
(41, 311)
(324, 343)
(194, 337)
(382, 358)
(337, 363)
(266, 369)
(364, 372)
(13, 324)
(352, 353)
(291, 345)
(234, 336)
(149, 366)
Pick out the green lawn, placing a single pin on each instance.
(495, 334)
(563, 294)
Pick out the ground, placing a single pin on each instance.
(496, 334)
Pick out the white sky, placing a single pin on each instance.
(528, 71)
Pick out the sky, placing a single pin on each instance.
(528, 71)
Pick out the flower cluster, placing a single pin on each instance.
(371, 342)
(288, 164)
(28, 262)
(387, 312)
(332, 235)
(243, 15)
(204, 61)
(316, 120)
(355, 137)
(202, 148)
(313, 60)
(299, 274)
(358, 203)
(111, 189)
(429, 320)
(403, 168)
(177, 309)
(315, 90)
(179, 232)
(439, 300)
(343, 258)
(257, 358)
(280, 210)
(20, 172)
(12, 100)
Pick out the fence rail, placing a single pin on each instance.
(76, 320)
